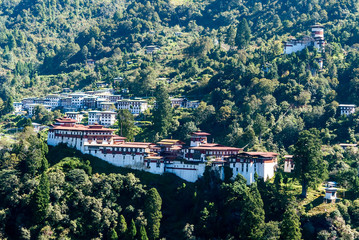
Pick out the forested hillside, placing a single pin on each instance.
(228, 54)
(254, 94)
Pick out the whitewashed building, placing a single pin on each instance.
(288, 163)
(105, 118)
(135, 106)
(53, 100)
(75, 115)
(250, 163)
(346, 109)
(166, 156)
(31, 108)
(315, 40)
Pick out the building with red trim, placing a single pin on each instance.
(168, 155)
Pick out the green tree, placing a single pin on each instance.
(143, 234)
(132, 231)
(162, 113)
(290, 227)
(252, 223)
(113, 235)
(126, 124)
(153, 213)
(122, 226)
(41, 198)
(243, 35)
(310, 168)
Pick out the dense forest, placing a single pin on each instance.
(227, 54)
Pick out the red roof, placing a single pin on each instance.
(199, 133)
(261, 154)
(79, 127)
(215, 147)
(65, 120)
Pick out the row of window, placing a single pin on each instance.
(247, 165)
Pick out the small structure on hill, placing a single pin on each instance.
(331, 194)
(316, 40)
(288, 163)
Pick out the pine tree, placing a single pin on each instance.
(41, 198)
(290, 228)
(243, 35)
(252, 223)
(143, 234)
(162, 113)
(153, 213)
(113, 234)
(132, 231)
(310, 168)
(126, 124)
(122, 226)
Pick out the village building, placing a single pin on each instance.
(168, 155)
(315, 40)
(75, 115)
(90, 102)
(345, 146)
(105, 118)
(248, 164)
(331, 194)
(135, 106)
(77, 99)
(152, 49)
(107, 106)
(26, 101)
(288, 163)
(53, 100)
(17, 106)
(31, 108)
(347, 109)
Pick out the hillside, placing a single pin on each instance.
(227, 54)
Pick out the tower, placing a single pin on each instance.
(198, 138)
(318, 36)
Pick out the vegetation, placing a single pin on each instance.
(226, 54)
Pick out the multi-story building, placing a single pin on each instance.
(114, 98)
(89, 102)
(77, 99)
(17, 106)
(135, 106)
(106, 118)
(316, 40)
(107, 106)
(53, 100)
(75, 115)
(347, 109)
(250, 163)
(166, 156)
(31, 108)
(177, 102)
(66, 102)
(26, 101)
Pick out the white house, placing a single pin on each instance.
(135, 106)
(106, 118)
(347, 109)
(17, 106)
(31, 108)
(288, 163)
(76, 116)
